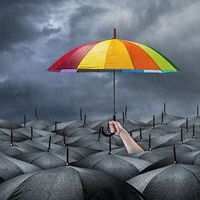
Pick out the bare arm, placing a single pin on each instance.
(130, 144)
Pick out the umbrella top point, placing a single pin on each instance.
(114, 33)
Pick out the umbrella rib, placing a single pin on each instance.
(192, 174)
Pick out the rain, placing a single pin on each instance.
(54, 130)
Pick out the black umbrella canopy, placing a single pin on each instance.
(13, 149)
(80, 131)
(190, 158)
(168, 151)
(30, 131)
(131, 125)
(7, 187)
(73, 183)
(193, 120)
(163, 119)
(176, 181)
(57, 126)
(8, 124)
(75, 153)
(44, 160)
(17, 137)
(39, 124)
(96, 142)
(11, 167)
(120, 166)
(155, 132)
(35, 145)
(149, 156)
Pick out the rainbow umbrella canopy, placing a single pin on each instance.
(114, 55)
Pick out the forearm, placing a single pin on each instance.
(130, 144)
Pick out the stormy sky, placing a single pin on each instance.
(35, 33)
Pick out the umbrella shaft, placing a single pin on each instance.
(114, 110)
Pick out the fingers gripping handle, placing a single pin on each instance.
(107, 133)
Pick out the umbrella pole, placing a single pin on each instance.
(114, 109)
(149, 142)
(24, 121)
(181, 135)
(193, 131)
(64, 140)
(11, 138)
(174, 151)
(99, 133)
(123, 118)
(49, 148)
(110, 148)
(187, 128)
(140, 134)
(31, 132)
(67, 155)
(197, 111)
(55, 127)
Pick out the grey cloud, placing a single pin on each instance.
(36, 33)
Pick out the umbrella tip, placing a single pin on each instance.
(174, 151)
(114, 35)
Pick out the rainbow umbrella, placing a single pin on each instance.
(114, 55)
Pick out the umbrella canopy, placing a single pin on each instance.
(8, 124)
(11, 167)
(190, 158)
(17, 136)
(176, 181)
(39, 124)
(114, 55)
(44, 160)
(120, 166)
(73, 183)
(75, 153)
(7, 187)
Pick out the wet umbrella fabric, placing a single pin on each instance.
(39, 124)
(176, 181)
(11, 167)
(8, 124)
(7, 187)
(73, 183)
(120, 166)
(75, 153)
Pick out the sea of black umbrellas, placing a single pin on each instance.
(73, 160)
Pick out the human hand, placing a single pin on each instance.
(115, 127)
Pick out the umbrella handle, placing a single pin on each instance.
(107, 133)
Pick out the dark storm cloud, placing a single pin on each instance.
(33, 34)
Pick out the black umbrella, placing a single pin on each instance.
(175, 181)
(97, 141)
(190, 158)
(7, 187)
(57, 126)
(44, 159)
(11, 148)
(8, 124)
(16, 137)
(11, 167)
(76, 153)
(73, 183)
(168, 151)
(37, 123)
(120, 166)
